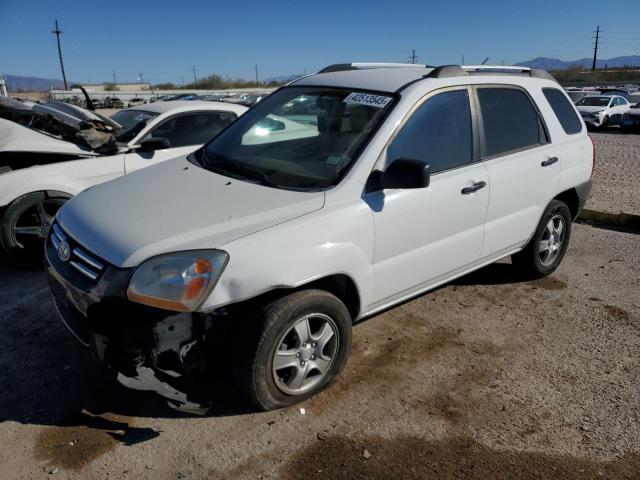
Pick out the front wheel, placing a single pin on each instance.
(547, 247)
(25, 225)
(297, 346)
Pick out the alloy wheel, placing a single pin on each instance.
(305, 354)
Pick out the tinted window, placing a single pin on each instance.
(439, 132)
(510, 120)
(563, 109)
(192, 129)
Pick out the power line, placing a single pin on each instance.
(57, 32)
(595, 49)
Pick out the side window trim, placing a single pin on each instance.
(481, 133)
(474, 126)
(184, 114)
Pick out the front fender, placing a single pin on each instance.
(296, 253)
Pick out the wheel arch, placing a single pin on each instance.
(571, 199)
(341, 285)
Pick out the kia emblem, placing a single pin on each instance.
(64, 251)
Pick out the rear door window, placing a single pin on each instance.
(193, 128)
(510, 120)
(438, 132)
(564, 111)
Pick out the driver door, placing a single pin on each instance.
(428, 234)
(185, 133)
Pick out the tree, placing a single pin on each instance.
(111, 87)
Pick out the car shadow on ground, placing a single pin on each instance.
(47, 378)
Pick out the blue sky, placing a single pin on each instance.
(165, 39)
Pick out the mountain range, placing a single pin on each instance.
(17, 83)
(546, 63)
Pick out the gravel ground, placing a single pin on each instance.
(488, 377)
(615, 182)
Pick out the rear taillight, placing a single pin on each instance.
(593, 157)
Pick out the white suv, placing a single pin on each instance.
(338, 196)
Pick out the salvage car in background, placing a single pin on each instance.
(68, 149)
(631, 119)
(602, 110)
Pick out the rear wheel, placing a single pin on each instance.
(547, 247)
(297, 347)
(605, 123)
(25, 225)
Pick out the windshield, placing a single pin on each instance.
(301, 138)
(593, 102)
(132, 121)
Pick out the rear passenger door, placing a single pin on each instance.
(185, 132)
(423, 236)
(524, 167)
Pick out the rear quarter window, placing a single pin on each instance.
(564, 111)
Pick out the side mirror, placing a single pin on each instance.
(406, 173)
(153, 143)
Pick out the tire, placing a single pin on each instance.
(25, 224)
(272, 331)
(605, 123)
(532, 261)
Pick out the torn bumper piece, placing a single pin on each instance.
(146, 379)
(151, 349)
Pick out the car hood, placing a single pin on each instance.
(585, 109)
(175, 206)
(16, 138)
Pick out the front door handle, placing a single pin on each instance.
(549, 161)
(473, 188)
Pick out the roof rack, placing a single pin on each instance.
(462, 70)
(342, 67)
(445, 71)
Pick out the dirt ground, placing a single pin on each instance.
(488, 377)
(615, 187)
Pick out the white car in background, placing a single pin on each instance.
(41, 168)
(600, 111)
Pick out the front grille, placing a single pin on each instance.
(79, 259)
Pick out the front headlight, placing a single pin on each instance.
(599, 112)
(177, 281)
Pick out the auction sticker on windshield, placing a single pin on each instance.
(378, 101)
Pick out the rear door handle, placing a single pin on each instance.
(473, 188)
(549, 161)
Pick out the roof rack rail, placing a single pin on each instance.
(445, 71)
(532, 72)
(342, 67)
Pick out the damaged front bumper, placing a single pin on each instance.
(151, 349)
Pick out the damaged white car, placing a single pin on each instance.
(58, 150)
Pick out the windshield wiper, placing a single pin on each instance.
(245, 172)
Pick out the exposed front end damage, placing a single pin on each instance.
(149, 348)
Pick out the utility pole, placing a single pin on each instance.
(195, 77)
(114, 76)
(413, 57)
(140, 77)
(257, 79)
(57, 32)
(595, 49)
(462, 59)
